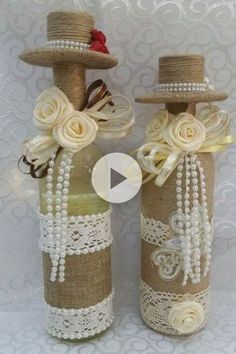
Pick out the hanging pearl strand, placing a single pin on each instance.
(63, 211)
(49, 197)
(180, 214)
(187, 251)
(195, 222)
(60, 231)
(207, 232)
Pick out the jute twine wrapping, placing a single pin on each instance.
(182, 69)
(159, 203)
(73, 26)
(65, 25)
(87, 276)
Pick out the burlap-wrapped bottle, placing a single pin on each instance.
(170, 304)
(79, 304)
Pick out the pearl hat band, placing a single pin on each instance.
(181, 79)
(65, 43)
(185, 86)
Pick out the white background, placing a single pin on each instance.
(138, 32)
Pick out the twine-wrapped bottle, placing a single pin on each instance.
(177, 199)
(75, 221)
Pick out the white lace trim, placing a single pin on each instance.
(85, 234)
(80, 323)
(155, 307)
(168, 256)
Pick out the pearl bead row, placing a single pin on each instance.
(59, 231)
(182, 86)
(207, 235)
(49, 196)
(65, 43)
(195, 221)
(180, 214)
(189, 221)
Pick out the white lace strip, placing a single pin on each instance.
(168, 256)
(155, 307)
(80, 323)
(85, 234)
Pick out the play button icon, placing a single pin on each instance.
(116, 177)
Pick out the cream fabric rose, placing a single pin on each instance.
(38, 150)
(186, 317)
(185, 133)
(154, 130)
(75, 131)
(51, 106)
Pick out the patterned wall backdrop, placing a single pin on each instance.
(138, 32)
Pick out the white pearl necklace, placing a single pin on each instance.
(57, 234)
(185, 86)
(194, 233)
(65, 43)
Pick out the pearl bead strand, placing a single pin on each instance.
(49, 196)
(207, 231)
(59, 226)
(195, 221)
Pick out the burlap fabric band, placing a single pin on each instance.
(159, 203)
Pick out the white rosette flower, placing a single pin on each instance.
(51, 106)
(154, 130)
(185, 133)
(38, 150)
(75, 131)
(186, 317)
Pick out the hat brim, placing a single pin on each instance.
(49, 56)
(187, 97)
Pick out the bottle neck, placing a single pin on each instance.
(176, 108)
(71, 80)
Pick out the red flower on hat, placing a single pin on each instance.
(98, 42)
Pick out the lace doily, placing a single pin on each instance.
(80, 323)
(155, 306)
(85, 234)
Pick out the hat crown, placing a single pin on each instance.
(181, 69)
(70, 25)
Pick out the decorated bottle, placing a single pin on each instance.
(75, 222)
(177, 197)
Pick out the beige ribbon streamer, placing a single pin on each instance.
(159, 159)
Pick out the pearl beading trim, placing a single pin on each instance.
(155, 306)
(193, 224)
(65, 43)
(185, 86)
(80, 323)
(85, 233)
(57, 233)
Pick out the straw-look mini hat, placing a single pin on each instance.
(71, 38)
(181, 79)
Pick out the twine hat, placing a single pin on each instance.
(181, 79)
(69, 39)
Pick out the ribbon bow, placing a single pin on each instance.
(109, 121)
(175, 137)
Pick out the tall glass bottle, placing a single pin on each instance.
(81, 306)
(161, 281)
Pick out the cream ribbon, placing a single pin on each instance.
(159, 159)
(113, 121)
